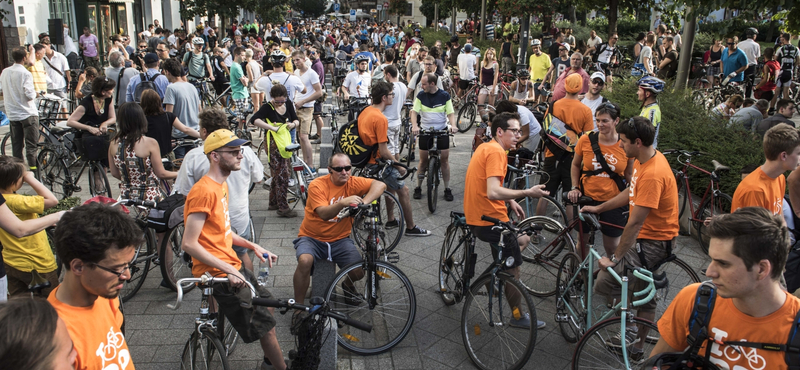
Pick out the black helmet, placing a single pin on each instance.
(751, 31)
(523, 73)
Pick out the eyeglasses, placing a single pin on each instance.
(118, 273)
(340, 169)
(516, 131)
(559, 49)
(731, 43)
(162, 50)
(598, 82)
(279, 102)
(430, 64)
(234, 152)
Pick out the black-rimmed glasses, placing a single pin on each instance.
(119, 274)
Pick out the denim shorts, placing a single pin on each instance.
(390, 177)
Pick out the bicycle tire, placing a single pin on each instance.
(412, 145)
(452, 261)
(542, 256)
(140, 267)
(204, 351)
(404, 135)
(466, 117)
(575, 295)
(175, 264)
(553, 209)
(54, 173)
(486, 337)
(592, 351)
(7, 148)
(433, 183)
(387, 329)
(97, 167)
(683, 204)
(389, 237)
(229, 335)
(679, 276)
(721, 205)
(50, 232)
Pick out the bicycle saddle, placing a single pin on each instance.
(292, 147)
(61, 130)
(719, 167)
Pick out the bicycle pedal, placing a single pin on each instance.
(392, 257)
(561, 318)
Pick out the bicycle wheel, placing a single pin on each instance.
(452, 262)
(226, 331)
(553, 209)
(572, 319)
(204, 351)
(487, 320)
(139, 267)
(174, 262)
(104, 188)
(412, 145)
(598, 349)
(679, 276)
(54, 173)
(542, 256)
(433, 183)
(6, 147)
(388, 235)
(404, 135)
(466, 117)
(391, 317)
(715, 205)
(684, 199)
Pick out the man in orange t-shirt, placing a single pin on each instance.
(208, 238)
(653, 220)
(484, 194)
(748, 251)
(373, 128)
(96, 244)
(766, 186)
(325, 236)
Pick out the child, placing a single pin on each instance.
(22, 256)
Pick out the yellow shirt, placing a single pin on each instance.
(288, 67)
(31, 252)
(539, 66)
(39, 76)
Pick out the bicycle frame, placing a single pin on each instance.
(711, 190)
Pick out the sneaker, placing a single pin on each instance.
(316, 141)
(393, 224)
(314, 137)
(448, 195)
(524, 322)
(417, 231)
(287, 213)
(417, 193)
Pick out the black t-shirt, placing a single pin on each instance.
(671, 68)
(505, 50)
(216, 65)
(267, 112)
(160, 128)
(553, 51)
(90, 116)
(267, 66)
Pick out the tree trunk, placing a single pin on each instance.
(525, 29)
(582, 18)
(483, 20)
(773, 25)
(453, 22)
(571, 11)
(436, 17)
(685, 59)
(613, 6)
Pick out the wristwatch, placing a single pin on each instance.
(614, 259)
(574, 188)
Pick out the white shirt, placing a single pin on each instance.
(358, 85)
(59, 62)
(466, 66)
(18, 93)
(195, 166)
(752, 50)
(526, 117)
(392, 112)
(291, 82)
(69, 45)
(593, 105)
(416, 84)
(594, 42)
(309, 79)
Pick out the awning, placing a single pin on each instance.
(120, 1)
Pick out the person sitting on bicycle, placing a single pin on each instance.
(748, 251)
(96, 244)
(357, 83)
(590, 179)
(648, 237)
(208, 238)
(324, 236)
(522, 89)
(433, 110)
(484, 194)
(649, 88)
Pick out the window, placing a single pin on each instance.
(410, 10)
(63, 9)
(21, 10)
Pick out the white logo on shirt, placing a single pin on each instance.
(610, 160)
(734, 353)
(112, 354)
(632, 188)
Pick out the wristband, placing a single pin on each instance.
(614, 259)
(574, 188)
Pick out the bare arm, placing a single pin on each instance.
(191, 244)
(185, 129)
(496, 191)
(14, 226)
(331, 211)
(155, 160)
(793, 183)
(661, 347)
(113, 147)
(50, 199)
(169, 107)
(72, 121)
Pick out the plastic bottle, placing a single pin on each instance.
(263, 274)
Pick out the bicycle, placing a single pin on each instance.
(387, 300)
(486, 319)
(434, 166)
(713, 202)
(206, 92)
(520, 178)
(406, 137)
(469, 108)
(146, 253)
(54, 163)
(334, 125)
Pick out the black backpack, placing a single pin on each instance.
(351, 144)
(144, 84)
(159, 217)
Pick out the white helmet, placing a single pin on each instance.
(198, 41)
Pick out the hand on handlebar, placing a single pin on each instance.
(605, 263)
(574, 195)
(353, 199)
(236, 280)
(588, 209)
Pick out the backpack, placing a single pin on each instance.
(792, 270)
(351, 144)
(601, 160)
(558, 137)
(159, 217)
(144, 84)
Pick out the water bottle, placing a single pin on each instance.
(263, 274)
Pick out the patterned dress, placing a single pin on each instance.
(138, 179)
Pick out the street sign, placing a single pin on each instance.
(380, 7)
(386, 5)
(352, 15)
(336, 7)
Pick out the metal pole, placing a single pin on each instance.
(525, 28)
(483, 20)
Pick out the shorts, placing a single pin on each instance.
(220, 85)
(343, 251)
(59, 93)
(394, 139)
(305, 115)
(764, 94)
(511, 248)
(615, 216)
(251, 322)
(713, 71)
(253, 90)
(558, 174)
(784, 79)
(464, 84)
(426, 141)
(240, 106)
(654, 252)
(317, 109)
(244, 234)
(486, 90)
(390, 177)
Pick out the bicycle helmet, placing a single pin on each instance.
(751, 31)
(198, 41)
(651, 84)
(417, 30)
(523, 73)
(225, 40)
(277, 57)
(360, 58)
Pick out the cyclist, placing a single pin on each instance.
(433, 109)
(32, 336)
(484, 194)
(766, 186)
(589, 175)
(734, 60)
(466, 69)
(324, 236)
(182, 100)
(539, 64)
(373, 128)
(789, 57)
(278, 76)
(394, 111)
(752, 50)
(304, 104)
(649, 88)
(748, 252)
(209, 240)
(197, 61)
(357, 83)
(522, 88)
(96, 244)
(606, 55)
(652, 223)
(415, 83)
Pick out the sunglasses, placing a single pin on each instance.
(598, 82)
(731, 43)
(632, 125)
(340, 169)
(562, 49)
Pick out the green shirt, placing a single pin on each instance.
(238, 91)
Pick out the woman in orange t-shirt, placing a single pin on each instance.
(601, 187)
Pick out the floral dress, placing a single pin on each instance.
(138, 179)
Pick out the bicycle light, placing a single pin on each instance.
(509, 261)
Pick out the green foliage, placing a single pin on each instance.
(686, 126)
(734, 27)
(63, 205)
(627, 27)
(791, 20)
(310, 8)
(398, 7)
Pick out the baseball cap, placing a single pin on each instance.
(150, 58)
(43, 35)
(565, 45)
(467, 48)
(599, 75)
(221, 138)
(574, 83)
(536, 42)
(286, 39)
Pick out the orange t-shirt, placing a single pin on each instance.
(489, 160)
(211, 198)
(575, 114)
(373, 128)
(759, 190)
(653, 186)
(601, 187)
(96, 333)
(322, 192)
(729, 324)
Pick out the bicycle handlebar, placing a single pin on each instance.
(640, 273)
(279, 303)
(203, 280)
(683, 152)
(135, 202)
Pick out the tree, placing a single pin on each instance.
(310, 8)
(398, 8)
(612, 9)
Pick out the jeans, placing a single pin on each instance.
(25, 131)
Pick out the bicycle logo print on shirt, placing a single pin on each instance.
(112, 353)
(734, 354)
(612, 164)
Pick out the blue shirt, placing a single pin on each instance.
(371, 57)
(389, 41)
(160, 81)
(733, 62)
(347, 49)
